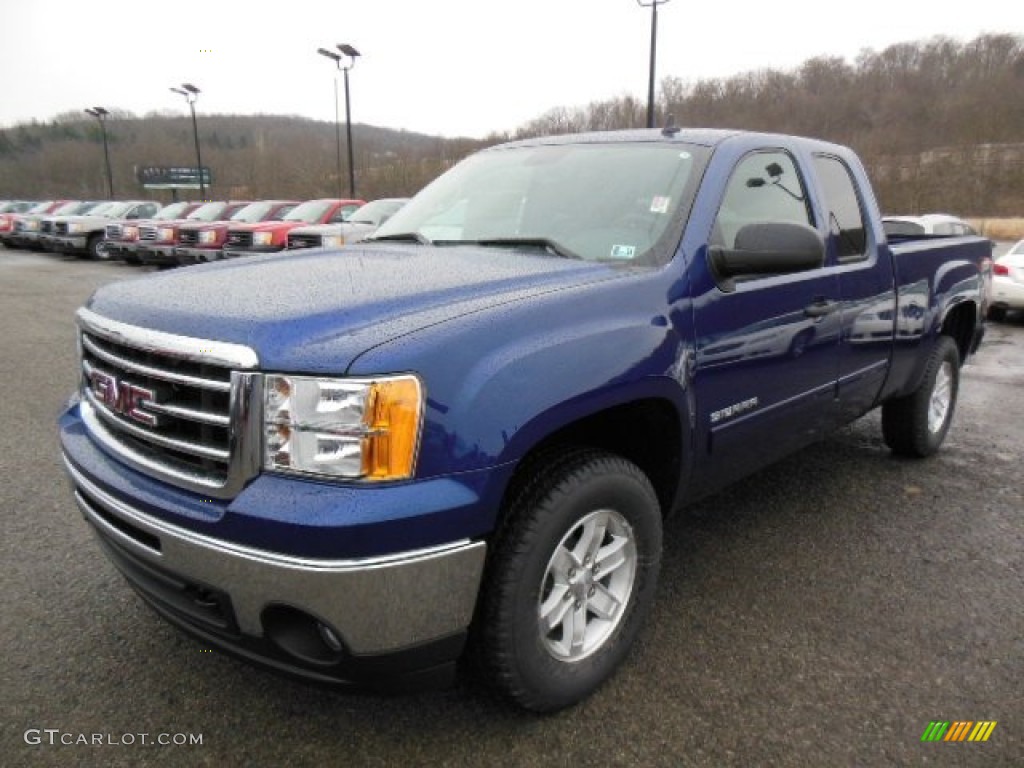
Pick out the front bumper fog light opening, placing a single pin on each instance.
(302, 636)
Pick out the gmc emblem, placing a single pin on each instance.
(123, 398)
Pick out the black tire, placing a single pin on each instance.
(563, 495)
(917, 424)
(997, 314)
(97, 248)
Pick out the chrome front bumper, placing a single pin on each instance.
(375, 606)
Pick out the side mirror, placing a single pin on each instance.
(768, 248)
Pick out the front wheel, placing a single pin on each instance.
(917, 424)
(571, 579)
(97, 247)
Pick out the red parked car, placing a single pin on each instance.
(272, 236)
(157, 241)
(203, 242)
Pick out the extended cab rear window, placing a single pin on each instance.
(846, 219)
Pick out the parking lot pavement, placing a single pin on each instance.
(820, 613)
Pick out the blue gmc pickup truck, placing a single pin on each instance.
(461, 438)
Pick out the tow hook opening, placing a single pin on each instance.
(302, 635)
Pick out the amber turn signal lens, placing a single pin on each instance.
(393, 417)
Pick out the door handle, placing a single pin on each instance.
(820, 308)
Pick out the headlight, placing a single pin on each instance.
(365, 429)
(31, 226)
(208, 237)
(165, 233)
(74, 227)
(332, 241)
(262, 238)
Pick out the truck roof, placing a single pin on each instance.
(708, 137)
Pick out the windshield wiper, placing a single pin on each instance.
(546, 243)
(402, 237)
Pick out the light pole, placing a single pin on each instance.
(347, 53)
(653, 4)
(101, 117)
(191, 93)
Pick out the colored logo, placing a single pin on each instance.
(959, 730)
(123, 398)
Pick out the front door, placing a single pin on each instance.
(767, 346)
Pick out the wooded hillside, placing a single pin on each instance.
(939, 123)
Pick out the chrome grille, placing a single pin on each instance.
(62, 227)
(243, 239)
(304, 241)
(147, 233)
(46, 226)
(173, 406)
(188, 236)
(114, 231)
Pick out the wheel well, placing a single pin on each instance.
(959, 326)
(646, 432)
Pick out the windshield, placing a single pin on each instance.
(901, 228)
(376, 212)
(172, 211)
(258, 211)
(311, 212)
(40, 207)
(72, 207)
(207, 212)
(116, 210)
(102, 209)
(600, 202)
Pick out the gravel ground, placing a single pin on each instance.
(820, 613)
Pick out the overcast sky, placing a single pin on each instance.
(448, 67)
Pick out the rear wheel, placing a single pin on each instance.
(571, 579)
(917, 424)
(997, 314)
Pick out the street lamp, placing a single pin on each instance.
(347, 53)
(191, 93)
(101, 117)
(653, 5)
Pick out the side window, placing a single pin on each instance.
(765, 186)
(846, 221)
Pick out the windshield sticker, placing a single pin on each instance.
(660, 204)
(623, 251)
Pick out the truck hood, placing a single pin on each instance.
(203, 226)
(319, 229)
(316, 311)
(85, 218)
(267, 226)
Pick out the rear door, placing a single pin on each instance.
(871, 319)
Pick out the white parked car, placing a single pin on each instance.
(1007, 283)
(926, 224)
